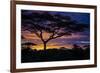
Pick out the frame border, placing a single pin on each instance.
(13, 35)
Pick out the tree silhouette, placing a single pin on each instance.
(27, 45)
(56, 25)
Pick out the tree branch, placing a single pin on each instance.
(58, 36)
(41, 36)
(36, 33)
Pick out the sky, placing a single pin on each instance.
(80, 38)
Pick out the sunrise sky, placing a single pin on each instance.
(80, 38)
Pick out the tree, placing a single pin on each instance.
(27, 45)
(55, 24)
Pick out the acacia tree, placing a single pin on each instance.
(56, 25)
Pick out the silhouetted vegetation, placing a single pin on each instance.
(61, 54)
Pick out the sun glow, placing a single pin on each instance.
(40, 46)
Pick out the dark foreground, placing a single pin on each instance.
(28, 55)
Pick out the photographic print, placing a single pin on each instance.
(52, 36)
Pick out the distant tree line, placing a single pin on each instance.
(76, 53)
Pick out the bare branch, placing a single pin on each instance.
(41, 36)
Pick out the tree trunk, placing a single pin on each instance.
(45, 45)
